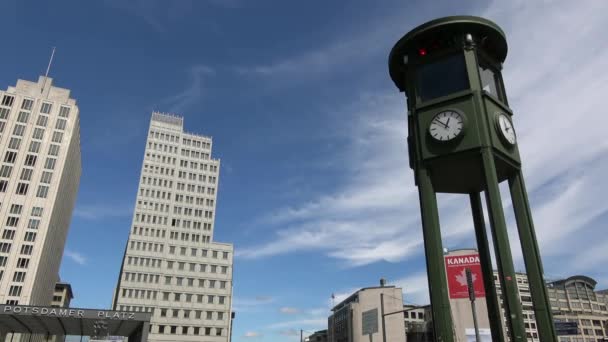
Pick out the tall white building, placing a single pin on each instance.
(171, 265)
(40, 170)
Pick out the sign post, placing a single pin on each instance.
(472, 299)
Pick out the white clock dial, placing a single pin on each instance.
(446, 125)
(505, 127)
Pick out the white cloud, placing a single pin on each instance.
(251, 304)
(76, 257)
(415, 288)
(289, 311)
(102, 211)
(299, 323)
(556, 81)
(252, 334)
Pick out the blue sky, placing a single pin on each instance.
(315, 191)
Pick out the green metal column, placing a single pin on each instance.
(483, 248)
(435, 267)
(531, 253)
(504, 260)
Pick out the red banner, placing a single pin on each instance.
(455, 267)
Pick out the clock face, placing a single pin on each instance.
(505, 128)
(446, 125)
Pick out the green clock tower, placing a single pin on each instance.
(461, 139)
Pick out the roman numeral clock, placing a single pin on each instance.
(462, 140)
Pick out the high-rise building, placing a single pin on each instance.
(172, 267)
(40, 170)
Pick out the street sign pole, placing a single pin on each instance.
(472, 298)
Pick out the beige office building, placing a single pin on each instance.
(172, 267)
(358, 318)
(39, 176)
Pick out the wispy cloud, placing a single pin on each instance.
(375, 215)
(251, 304)
(252, 334)
(193, 93)
(289, 310)
(102, 211)
(76, 257)
(159, 14)
(299, 323)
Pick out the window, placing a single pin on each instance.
(26, 174)
(64, 111)
(218, 331)
(5, 247)
(61, 123)
(50, 163)
(14, 143)
(23, 117)
(23, 262)
(34, 147)
(443, 77)
(207, 331)
(30, 236)
(4, 113)
(38, 133)
(7, 100)
(43, 191)
(22, 189)
(30, 160)
(46, 108)
(27, 249)
(57, 137)
(490, 80)
(18, 130)
(3, 185)
(37, 211)
(14, 290)
(5, 171)
(53, 150)
(10, 157)
(12, 221)
(46, 177)
(42, 120)
(19, 277)
(27, 104)
(16, 209)
(33, 224)
(220, 316)
(8, 234)
(209, 315)
(222, 299)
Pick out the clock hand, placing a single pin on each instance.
(441, 122)
(447, 123)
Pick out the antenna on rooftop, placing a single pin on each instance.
(48, 68)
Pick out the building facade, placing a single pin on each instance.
(418, 323)
(573, 299)
(62, 296)
(360, 315)
(172, 268)
(40, 169)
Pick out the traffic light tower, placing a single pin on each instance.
(461, 139)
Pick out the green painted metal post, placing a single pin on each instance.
(504, 260)
(483, 248)
(531, 254)
(435, 267)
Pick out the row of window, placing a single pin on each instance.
(176, 297)
(192, 314)
(193, 251)
(186, 330)
(163, 220)
(178, 265)
(28, 105)
(136, 277)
